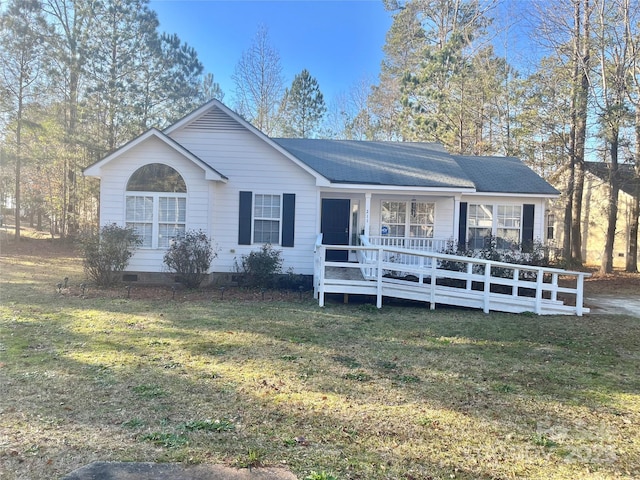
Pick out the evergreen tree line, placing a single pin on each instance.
(82, 77)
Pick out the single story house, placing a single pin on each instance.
(215, 172)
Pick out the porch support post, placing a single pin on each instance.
(456, 219)
(367, 214)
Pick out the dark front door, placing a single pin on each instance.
(334, 226)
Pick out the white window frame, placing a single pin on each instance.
(407, 224)
(502, 219)
(266, 218)
(157, 240)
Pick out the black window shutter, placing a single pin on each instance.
(528, 213)
(244, 220)
(288, 219)
(462, 227)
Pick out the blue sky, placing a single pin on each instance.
(339, 41)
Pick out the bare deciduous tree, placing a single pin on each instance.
(259, 82)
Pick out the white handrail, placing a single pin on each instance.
(438, 275)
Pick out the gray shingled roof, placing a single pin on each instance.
(411, 164)
(503, 175)
(379, 163)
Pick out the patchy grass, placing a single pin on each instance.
(347, 391)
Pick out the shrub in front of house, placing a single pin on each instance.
(535, 255)
(260, 267)
(107, 254)
(190, 256)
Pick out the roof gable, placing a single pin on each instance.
(211, 173)
(629, 181)
(215, 115)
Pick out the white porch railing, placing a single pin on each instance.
(411, 243)
(439, 278)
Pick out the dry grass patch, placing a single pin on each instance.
(404, 393)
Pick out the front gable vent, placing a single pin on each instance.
(214, 119)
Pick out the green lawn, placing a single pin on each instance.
(401, 393)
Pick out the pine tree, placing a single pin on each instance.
(302, 107)
(21, 57)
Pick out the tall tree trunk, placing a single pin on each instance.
(612, 203)
(568, 214)
(18, 201)
(581, 86)
(632, 254)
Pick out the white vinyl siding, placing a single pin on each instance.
(252, 165)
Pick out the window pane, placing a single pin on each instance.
(421, 218)
(143, 231)
(172, 209)
(139, 209)
(479, 237)
(481, 216)
(167, 232)
(396, 230)
(509, 216)
(507, 239)
(267, 206)
(394, 217)
(156, 177)
(267, 231)
(421, 231)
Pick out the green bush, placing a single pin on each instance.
(107, 254)
(535, 255)
(190, 256)
(259, 268)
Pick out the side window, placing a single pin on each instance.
(266, 219)
(508, 226)
(503, 222)
(156, 204)
(480, 224)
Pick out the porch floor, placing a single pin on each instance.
(343, 273)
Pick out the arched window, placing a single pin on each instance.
(156, 204)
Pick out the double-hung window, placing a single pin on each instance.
(480, 225)
(502, 222)
(408, 219)
(266, 219)
(509, 224)
(156, 205)
(394, 218)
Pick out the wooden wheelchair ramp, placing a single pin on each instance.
(440, 279)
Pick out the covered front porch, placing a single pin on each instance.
(400, 219)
